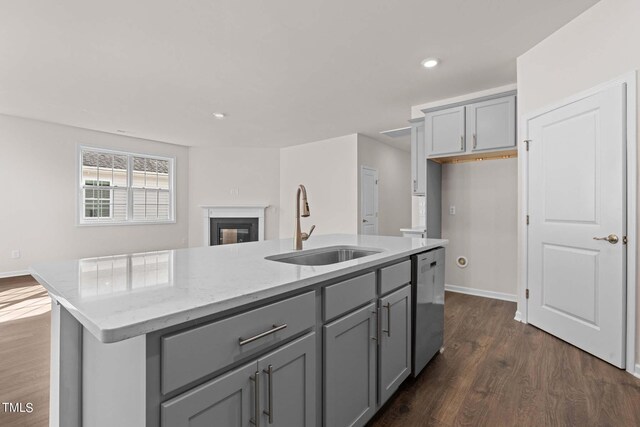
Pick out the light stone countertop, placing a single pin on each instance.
(123, 296)
(415, 229)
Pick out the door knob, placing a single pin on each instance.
(611, 238)
(364, 220)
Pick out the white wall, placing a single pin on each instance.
(215, 174)
(328, 169)
(418, 210)
(599, 45)
(483, 228)
(394, 183)
(38, 196)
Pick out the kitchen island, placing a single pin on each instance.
(184, 337)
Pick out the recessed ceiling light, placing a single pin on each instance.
(429, 62)
(219, 116)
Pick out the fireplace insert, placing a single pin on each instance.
(233, 230)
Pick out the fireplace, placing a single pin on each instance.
(233, 230)
(232, 224)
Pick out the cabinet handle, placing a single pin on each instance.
(269, 372)
(388, 330)
(475, 141)
(273, 330)
(375, 337)
(461, 142)
(256, 406)
(414, 185)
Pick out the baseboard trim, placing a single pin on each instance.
(18, 273)
(637, 372)
(480, 293)
(518, 316)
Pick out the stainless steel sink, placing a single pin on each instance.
(324, 256)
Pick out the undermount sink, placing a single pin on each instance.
(324, 256)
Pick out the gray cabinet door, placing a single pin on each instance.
(491, 125)
(395, 341)
(445, 132)
(288, 385)
(350, 368)
(418, 159)
(225, 401)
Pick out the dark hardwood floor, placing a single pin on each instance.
(494, 371)
(498, 372)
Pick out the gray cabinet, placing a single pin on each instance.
(418, 159)
(350, 368)
(491, 124)
(395, 341)
(445, 132)
(226, 401)
(279, 388)
(488, 124)
(288, 385)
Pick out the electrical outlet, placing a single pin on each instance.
(15, 254)
(452, 210)
(234, 191)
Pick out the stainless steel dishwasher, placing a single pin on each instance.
(428, 307)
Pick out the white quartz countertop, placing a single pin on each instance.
(122, 296)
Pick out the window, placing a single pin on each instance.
(118, 187)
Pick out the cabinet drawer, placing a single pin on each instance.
(394, 276)
(192, 354)
(347, 295)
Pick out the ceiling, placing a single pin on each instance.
(284, 71)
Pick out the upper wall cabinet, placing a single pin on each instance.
(418, 159)
(491, 124)
(485, 125)
(445, 131)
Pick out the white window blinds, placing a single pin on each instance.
(119, 187)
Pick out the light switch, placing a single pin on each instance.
(15, 254)
(452, 210)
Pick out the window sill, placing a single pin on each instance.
(126, 223)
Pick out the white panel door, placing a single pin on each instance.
(369, 200)
(577, 288)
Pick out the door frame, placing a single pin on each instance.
(376, 198)
(630, 79)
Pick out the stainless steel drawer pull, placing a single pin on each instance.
(256, 396)
(273, 330)
(475, 141)
(269, 413)
(375, 338)
(388, 330)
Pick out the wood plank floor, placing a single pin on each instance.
(499, 372)
(494, 371)
(24, 350)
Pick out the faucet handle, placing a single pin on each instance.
(305, 236)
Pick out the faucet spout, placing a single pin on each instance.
(299, 236)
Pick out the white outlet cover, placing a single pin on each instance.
(15, 254)
(452, 210)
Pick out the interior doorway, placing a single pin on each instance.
(580, 207)
(368, 200)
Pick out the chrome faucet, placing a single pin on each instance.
(299, 236)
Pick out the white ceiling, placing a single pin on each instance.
(285, 71)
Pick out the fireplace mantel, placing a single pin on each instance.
(232, 211)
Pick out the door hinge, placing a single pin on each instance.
(376, 182)
(624, 240)
(526, 294)
(527, 141)
(527, 219)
